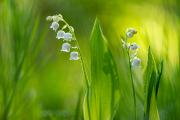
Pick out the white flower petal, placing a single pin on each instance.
(133, 46)
(74, 56)
(136, 62)
(66, 47)
(130, 32)
(54, 26)
(67, 36)
(60, 34)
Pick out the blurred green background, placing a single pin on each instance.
(53, 83)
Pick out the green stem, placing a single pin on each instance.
(81, 59)
(132, 81)
(82, 64)
(133, 87)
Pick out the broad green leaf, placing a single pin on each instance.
(100, 98)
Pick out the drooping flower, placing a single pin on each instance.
(130, 32)
(136, 62)
(133, 46)
(74, 56)
(67, 36)
(54, 26)
(66, 47)
(60, 34)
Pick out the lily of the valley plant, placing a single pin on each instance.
(132, 48)
(66, 34)
(133, 59)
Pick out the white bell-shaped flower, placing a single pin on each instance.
(74, 56)
(60, 34)
(130, 32)
(54, 26)
(136, 62)
(66, 47)
(133, 46)
(67, 36)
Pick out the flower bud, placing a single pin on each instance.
(49, 18)
(130, 32)
(56, 18)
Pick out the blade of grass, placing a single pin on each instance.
(152, 79)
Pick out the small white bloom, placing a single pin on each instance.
(67, 36)
(66, 47)
(54, 26)
(49, 18)
(56, 18)
(74, 56)
(60, 34)
(136, 62)
(130, 32)
(133, 46)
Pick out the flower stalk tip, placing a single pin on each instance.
(131, 48)
(66, 34)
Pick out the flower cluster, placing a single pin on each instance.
(66, 34)
(132, 48)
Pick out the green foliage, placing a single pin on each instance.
(20, 45)
(152, 79)
(99, 102)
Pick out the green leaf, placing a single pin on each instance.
(100, 99)
(151, 78)
(153, 113)
(78, 111)
(160, 71)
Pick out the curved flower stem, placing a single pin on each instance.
(82, 60)
(132, 81)
(82, 64)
